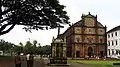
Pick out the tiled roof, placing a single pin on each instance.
(79, 23)
(114, 29)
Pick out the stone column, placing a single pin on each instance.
(74, 53)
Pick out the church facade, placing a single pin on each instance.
(86, 37)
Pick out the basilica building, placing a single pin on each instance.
(86, 37)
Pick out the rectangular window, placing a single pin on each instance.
(112, 34)
(108, 43)
(117, 52)
(108, 51)
(112, 52)
(115, 33)
(112, 43)
(116, 42)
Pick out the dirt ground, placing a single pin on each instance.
(6, 63)
(37, 63)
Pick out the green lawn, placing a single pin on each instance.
(97, 63)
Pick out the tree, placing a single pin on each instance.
(47, 49)
(21, 44)
(21, 47)
(35, 43)
(17, 49)
(5, 46)
(39, 45)
(44, 50)
(28, 47)
(32, 14)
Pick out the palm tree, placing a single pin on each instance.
(21, 44)
(21, 47)
(34, 43)
(39, 45)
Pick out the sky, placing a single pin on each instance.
(107, 11)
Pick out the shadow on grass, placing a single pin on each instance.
(116, 66)
(101, 66)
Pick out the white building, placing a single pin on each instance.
(113, 42)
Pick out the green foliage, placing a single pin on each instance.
(35, 43)
(16, 49)
(32, 48)
(32, 14)
(27, 48)
(46, 50)
(6, 46)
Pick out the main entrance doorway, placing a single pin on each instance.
(90, 51)
(77, 53)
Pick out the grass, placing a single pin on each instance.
(97, 63)
(5, 57)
